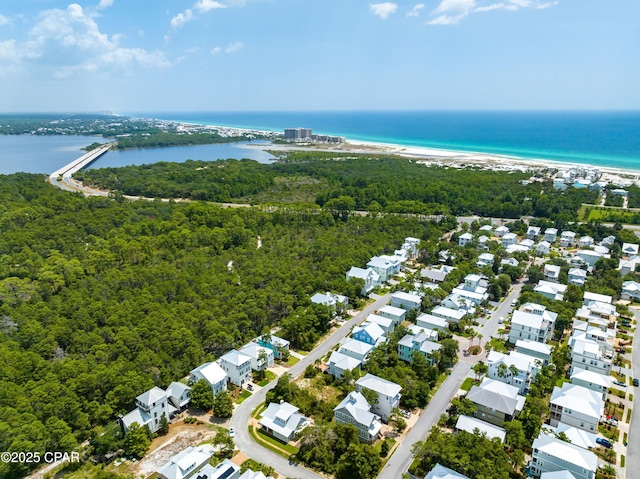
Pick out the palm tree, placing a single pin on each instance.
(503, 370)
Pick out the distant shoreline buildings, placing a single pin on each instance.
(305, 135)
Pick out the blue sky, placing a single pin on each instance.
(252, 55)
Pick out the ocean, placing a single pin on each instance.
(605, 139)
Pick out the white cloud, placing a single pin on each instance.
(4, 20)
(201, 6)
(104, 4)
(182, 18)
(415, 11)
(494, 6)
(546, 5)
(234, 47)
(383, 10)
(70, 41)
(450, 12)
(230, 48)
(204, 6)
(455, 6)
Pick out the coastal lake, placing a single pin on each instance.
(45, 154)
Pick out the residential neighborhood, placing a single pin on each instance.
(552, 327)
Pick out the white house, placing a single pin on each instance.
(407, 301)
(388, 394)
(354, 409)
(501, 231)
(542, 248)
(496, 401)
(398, 315)
(567, 238)
(278, 345)
(485, 259)
(487, 229)
(532, 326)
(589, 256)
(483, 242)
(578, 437)
(627, 266)
(283, 421)
(629, 249)
(551, 454)
(533, 232)
(509, 261)
(186, 462)
(577, 276)
(150, 407)
(356, 349)
(335, 302)
(369, 333)
(464, 239)
(261, 356)
(421, 343)
(591, 380)
(608, 241)
(237, 366)
(387, 324)
(551, 290)
(471, 424)
(369, 276)
(441, 472)
(431, 334)
(224, 470)
(386, 266)
(589, 355)
(551, 235)
(448, 314)
(527, 243)
(630, 290)
(551, 272)
(179, 395)
(589, 298)
(339, 363)
(509, 239)
(585, 242)
(430, 321)
(503, 367)
(534, 349)
(213, 374)
(434, 275)
(576, 406)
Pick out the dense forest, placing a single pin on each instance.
(393, 185)
(101, 299)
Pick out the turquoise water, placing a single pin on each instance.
(608, 139)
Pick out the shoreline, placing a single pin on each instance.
(452, 158)
(440, 156)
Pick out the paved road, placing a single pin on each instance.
(401, 459)
(242, 414)
(633, 440)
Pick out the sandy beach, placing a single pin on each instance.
(457, 159)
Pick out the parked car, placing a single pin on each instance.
(231, 432)
(501, 319)
(620, 383)
(405, 413)
(604, 442)
(635, 382)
